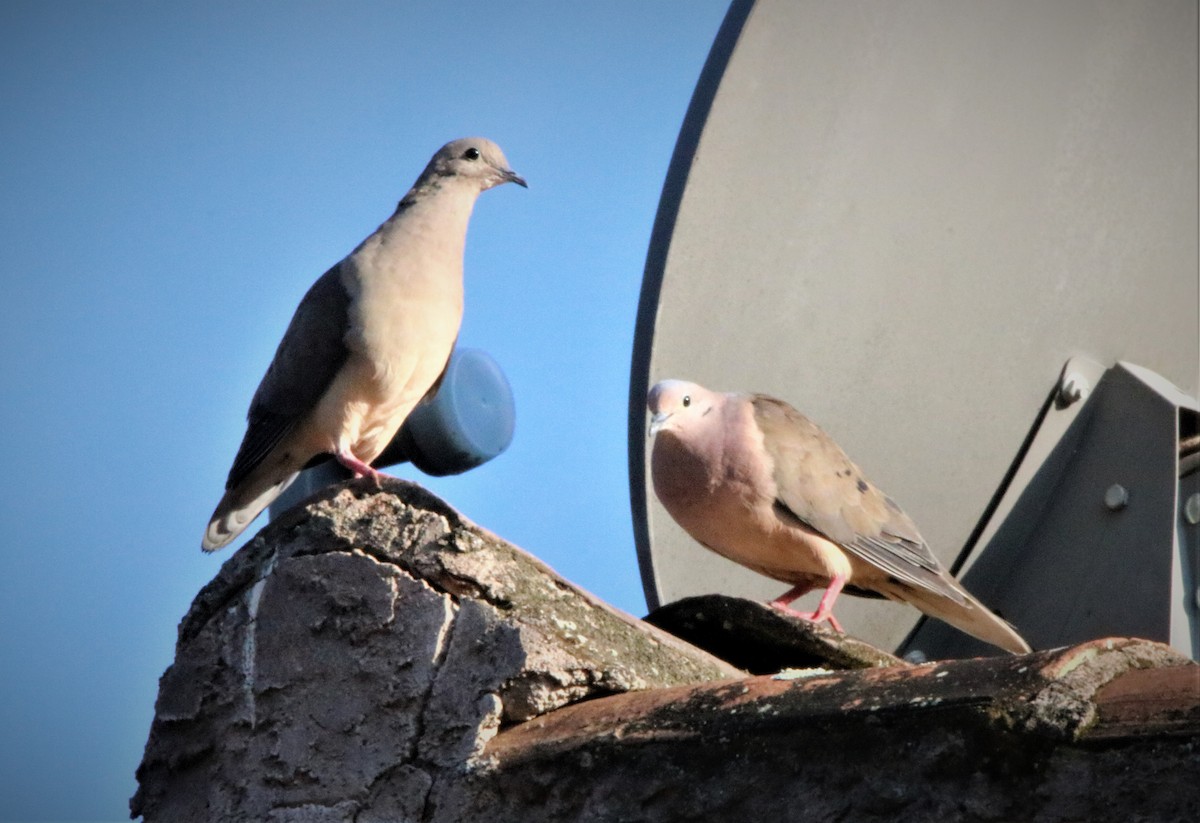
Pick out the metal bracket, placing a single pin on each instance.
(1092, 535)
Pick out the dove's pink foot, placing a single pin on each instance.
(824, 612)
(359, 468)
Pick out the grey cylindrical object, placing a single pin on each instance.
(468, 422)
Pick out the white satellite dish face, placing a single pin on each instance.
(904, 218)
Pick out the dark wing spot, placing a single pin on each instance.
(862, 486)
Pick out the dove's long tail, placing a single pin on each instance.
(969, 616)
(240, 505)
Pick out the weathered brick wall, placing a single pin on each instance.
(372, 656)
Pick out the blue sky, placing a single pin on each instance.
(174, 177)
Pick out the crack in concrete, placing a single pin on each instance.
(440, 579)
(441, 649)
(250, 642)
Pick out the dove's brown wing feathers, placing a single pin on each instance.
(818, 485)
(306, 362)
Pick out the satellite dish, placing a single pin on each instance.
(905, 219)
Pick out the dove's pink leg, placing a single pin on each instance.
(359, 468)
(784, 601)
(824, 612)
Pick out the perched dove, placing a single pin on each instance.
(369, 340)
(754, 480)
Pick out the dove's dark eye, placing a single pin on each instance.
(471, 154)
(687, 400)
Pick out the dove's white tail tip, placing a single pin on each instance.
(237, 510)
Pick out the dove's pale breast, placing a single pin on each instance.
(403, 324)
(716, 482)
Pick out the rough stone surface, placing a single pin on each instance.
(372, 657)
(762, 640)
(990, 739)
(364, 646)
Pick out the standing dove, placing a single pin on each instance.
(369, 340)
(754, 480)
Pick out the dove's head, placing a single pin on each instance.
(474, 159)
(679, 406)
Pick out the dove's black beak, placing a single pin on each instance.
(511, 176)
